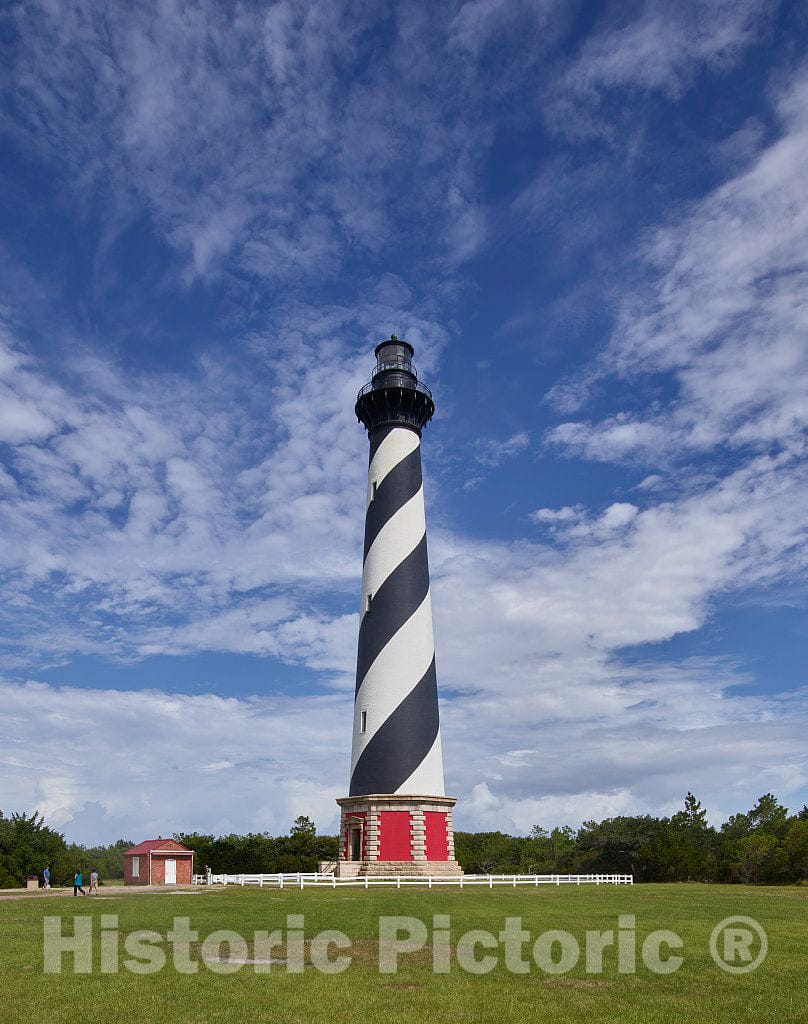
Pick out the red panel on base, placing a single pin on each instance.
(437, 844)
(394, 835)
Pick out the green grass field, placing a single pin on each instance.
(697, 992)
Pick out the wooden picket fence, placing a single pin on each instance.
(305, 880)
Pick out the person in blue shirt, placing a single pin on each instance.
(78, 881)
(46, 876)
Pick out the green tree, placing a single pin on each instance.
(692, 843)
(750, 848)
(545, 852)
(795, 851)
(616, 845)
(737, 826)
(693, 818)
(26, 846)
(202, 845)
(303, 826)
(487, 853)
(769, 816)
(753, 857)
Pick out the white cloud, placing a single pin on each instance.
(249, 136)
(490, 452)
(662, 49)
(724, 311)
(567, 514)
(650, 482)
(232, 508)
(467, 228)
(611, 440)
(21, 421)
(157, 763)
(478, 23)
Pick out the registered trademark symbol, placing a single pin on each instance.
(733, 943)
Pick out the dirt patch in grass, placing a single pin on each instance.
(363, 953)
(107, 892)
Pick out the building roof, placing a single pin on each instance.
(161, 845)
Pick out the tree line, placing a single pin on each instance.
(764, 845)
(261, 853)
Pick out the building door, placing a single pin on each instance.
(356, 844)
(171, 871)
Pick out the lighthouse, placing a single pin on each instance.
(396, 818)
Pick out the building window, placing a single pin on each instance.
(368, 602)
(373, 486)
(363, 720)
(136, 867)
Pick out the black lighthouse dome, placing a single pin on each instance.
(394, 396)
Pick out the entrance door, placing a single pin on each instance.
(356, 844)
(171, 871)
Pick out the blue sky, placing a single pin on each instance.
(589, 219)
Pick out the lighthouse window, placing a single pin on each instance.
(363, 721)
(368, 602)
(373, 490)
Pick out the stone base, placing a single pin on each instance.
(348, 868)
(377, 868)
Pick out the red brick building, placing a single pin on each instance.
(158, 862)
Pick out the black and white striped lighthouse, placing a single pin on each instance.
(397, 819)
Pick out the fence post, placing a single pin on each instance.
(490, 882)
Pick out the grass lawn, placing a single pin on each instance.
(697, 992)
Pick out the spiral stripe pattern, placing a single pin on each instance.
(396, 741)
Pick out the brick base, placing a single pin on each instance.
(395, 834)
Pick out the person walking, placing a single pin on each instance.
(46, 877)
(93, 882)
(78, 881)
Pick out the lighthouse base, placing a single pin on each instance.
(383, 834)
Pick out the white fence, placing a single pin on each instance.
(306, 880)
